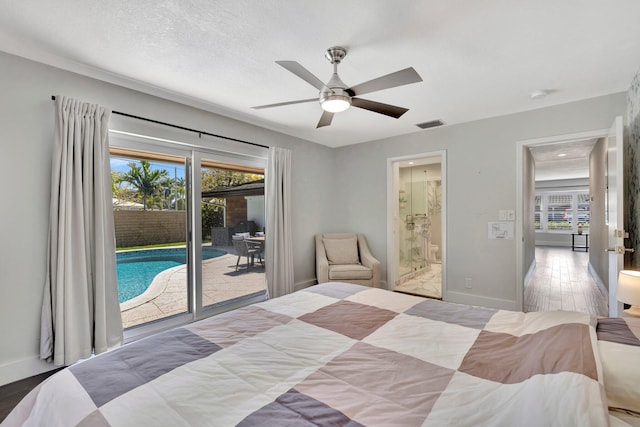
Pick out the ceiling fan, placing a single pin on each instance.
(335, 96)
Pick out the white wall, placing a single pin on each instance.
(255, 210)
(26, 127)
(481, 158)
(561, 239)
(563, 184)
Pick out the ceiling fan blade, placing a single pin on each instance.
(399, 78)
(279, 104)
(325, 119)
(379, 107)
(303, 73)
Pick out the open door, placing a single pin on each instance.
(417, 224)
(615, 212)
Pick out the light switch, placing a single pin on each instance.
(511, 215)
(502, 215)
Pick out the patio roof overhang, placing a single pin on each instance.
(254, 188)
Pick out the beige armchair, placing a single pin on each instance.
(345, 257)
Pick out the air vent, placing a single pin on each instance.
(431, 124)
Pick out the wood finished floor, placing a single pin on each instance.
(561, 281)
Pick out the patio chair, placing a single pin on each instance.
(255, 248)
(246, 248)
(241, 249)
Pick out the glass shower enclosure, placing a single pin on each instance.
(419, 227)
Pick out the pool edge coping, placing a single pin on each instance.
(159, 284)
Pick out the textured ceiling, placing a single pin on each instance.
(567, 160)
(477, 58)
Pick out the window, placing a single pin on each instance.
(562, 211)
(538, 212)
(558, 211)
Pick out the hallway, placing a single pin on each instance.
(561, 281)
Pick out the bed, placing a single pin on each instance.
(339, 354)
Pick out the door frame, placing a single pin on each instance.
(197, 155)
(519, 232)
(393, 209)
(616, 229)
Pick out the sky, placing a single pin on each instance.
(119, 164)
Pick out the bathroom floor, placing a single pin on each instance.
(428, 284)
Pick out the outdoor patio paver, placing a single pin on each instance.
(167, 294)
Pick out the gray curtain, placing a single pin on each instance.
(278, 247)
(80, 310)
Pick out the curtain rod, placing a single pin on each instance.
(199, 132)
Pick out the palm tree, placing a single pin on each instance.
(180, 188)
(173, 192)
(144, 179)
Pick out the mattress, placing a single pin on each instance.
(338, 354)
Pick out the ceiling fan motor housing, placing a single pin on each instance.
(335, 88)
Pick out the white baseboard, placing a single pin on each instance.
(23, 368)
(470, 299)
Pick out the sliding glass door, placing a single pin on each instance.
(230, 223)
(176, 210)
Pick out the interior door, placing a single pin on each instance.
(615, 212)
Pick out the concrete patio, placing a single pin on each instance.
(167, 294)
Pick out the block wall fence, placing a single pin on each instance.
(137, 228)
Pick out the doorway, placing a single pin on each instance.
(532, 214)
(417, 218)
(176, 211)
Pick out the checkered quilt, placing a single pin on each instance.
(340, 355)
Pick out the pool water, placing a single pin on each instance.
(136, 269)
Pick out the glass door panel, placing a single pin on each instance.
(232, 221)
(420, 227)
(149, 200)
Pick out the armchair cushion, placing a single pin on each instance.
(342, 250)
(350, 272)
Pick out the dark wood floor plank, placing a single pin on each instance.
(12, 394)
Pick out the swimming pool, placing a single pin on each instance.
(136, 269)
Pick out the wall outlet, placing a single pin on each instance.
(467, 282)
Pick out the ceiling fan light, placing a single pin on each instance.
(335, 103)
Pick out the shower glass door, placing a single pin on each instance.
(418, 226)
